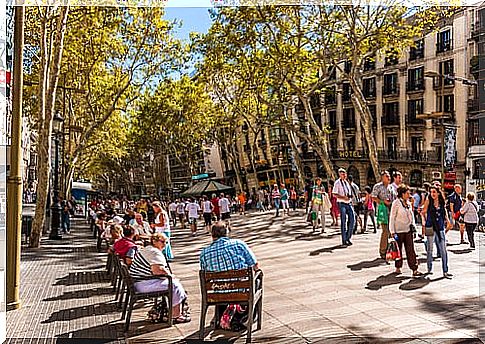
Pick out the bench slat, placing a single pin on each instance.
(226, 274)
(227, 297)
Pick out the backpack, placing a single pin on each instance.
(234, 318)
(159, 312)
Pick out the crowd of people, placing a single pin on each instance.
(140, 232)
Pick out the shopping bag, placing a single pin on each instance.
(392, 252)
(382, 214)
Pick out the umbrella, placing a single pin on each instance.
(206, 187)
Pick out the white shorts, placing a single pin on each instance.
(284, 204)
(148, 286)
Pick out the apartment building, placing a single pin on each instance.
(427, 79)
(475, 165)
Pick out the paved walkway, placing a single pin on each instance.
(315, 291)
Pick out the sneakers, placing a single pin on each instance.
(447, 275)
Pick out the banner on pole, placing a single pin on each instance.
(450, 147)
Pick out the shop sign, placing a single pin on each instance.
(349, 154)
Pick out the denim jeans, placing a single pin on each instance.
(346, 229)
(441, 245)
(65, 222)
(277, 205)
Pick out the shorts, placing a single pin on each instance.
(192, 220)
(208, 219)
(225, 216)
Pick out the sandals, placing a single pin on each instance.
(417, 274)
(182, 319)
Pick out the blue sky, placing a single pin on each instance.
(194, 19)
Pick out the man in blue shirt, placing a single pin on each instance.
(225, 254)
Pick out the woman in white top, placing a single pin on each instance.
(162, 225)
(470, 212)
(402, 227)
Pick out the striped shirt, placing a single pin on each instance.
(227, 254)
(143, 261)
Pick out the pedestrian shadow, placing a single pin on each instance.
(78, 294)
(386, 280)
(448, 244)
(367, 264)
(315, 236)
(462, 251)
(327, 250)
(416, 283)
(83, 277)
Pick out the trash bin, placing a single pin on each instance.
(26, 227)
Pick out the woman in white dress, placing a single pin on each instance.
(162, 225)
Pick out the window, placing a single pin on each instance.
(417, 52)
(390, 84)
(416, 148)
(330, 98)
(369, 64)
(332, 73)
(392, 58)
(332, 119)
(317, 116)
(392, 147)
(347, 66)
(276, 134)
(349, 118)
(391, 114)
(415, 107)
(315, 100)
(373, 113)
(446, 69)
(346, 92)
(449, 104)
(369, 87)
(443, 41)
(415, 79)
(333, 145)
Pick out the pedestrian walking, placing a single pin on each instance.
(293, 198)
(369, 210)
(320, 204)
(470, 217)
(356, 203)
(334, 211)
(65, 217)
(261, 200)
(172, 207)
(276, 196)
(161, 224)
(181, 213)
(416, 201)
(224, 205)
(216, 210)
(402, 227)
(193, 210)
(343, 193)
(383, 194)
(284, 199)
(436, 218)
(207, 209)
(454, 206)
(241, 200)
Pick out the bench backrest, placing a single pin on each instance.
(227, 286)
(125, 273)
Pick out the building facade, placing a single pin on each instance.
(404, 93)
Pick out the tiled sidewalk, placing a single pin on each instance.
(315, 291)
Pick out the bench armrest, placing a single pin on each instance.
(147, 278)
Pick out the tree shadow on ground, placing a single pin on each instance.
(327, 250)
(386, 280)
(81, 294)
(315, 236)
(82, 312)
(367, 264)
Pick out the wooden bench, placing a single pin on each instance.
(232, 287)
(132, 296)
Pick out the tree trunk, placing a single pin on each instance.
(49, 76)
(296, 159)
(360, 104)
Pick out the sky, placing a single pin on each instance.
(194, 19)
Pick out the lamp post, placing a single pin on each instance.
(56, 207)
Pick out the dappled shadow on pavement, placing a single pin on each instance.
(83, 277)
(462, 251)
(82, 311)
(81, 294)
(367, 264)
(386, 280)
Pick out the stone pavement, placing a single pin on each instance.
(315, 291)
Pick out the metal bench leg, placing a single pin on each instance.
(203, 314)
(125, 305)
(128, 315)
(260, 314)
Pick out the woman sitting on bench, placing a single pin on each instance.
(150, 261)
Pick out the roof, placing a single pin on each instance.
(206, 187)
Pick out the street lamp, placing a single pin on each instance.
(56, 207)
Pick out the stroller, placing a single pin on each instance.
(481, 221)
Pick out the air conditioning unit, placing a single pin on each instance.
(437, 175)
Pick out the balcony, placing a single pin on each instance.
(478, 29)
(412, 120)
(474, 65)
(415, 86)
(348, 124)
(390, 90)
(437, 81)
(408, 156)
(415, 54)
(473, 105)
(307, 156)
(442, 47)
(476, 140)
(370, 93)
